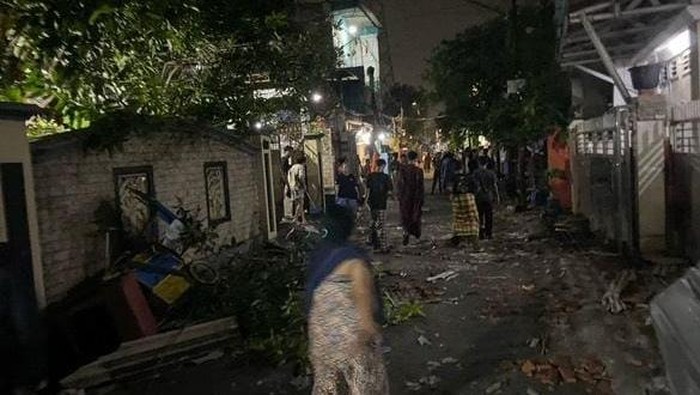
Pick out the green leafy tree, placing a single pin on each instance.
(470, 75)
(409, 105)
(203, 59)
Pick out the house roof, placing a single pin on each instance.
(83, 136)
(359, 9)
(627, 28)
(18, 111)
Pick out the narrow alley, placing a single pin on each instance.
(521, 316)
(220, 197)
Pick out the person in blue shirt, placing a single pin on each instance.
(347, 189)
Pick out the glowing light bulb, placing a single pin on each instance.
(316, 97)
(352, 29)
(677, 44)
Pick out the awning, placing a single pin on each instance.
(604, 35)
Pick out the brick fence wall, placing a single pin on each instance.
(70, 184)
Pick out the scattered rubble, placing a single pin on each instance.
(430, 381)
(423, 341)
(412, 386)
(446, 275)
(590, 371)
(611, 299)
(449, 360)
(494, 387)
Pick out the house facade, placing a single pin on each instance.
(215, 176)
(636, 144)
(20, 248)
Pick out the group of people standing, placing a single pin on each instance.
(378, 186)
(345, 310)
(474, 191)
(344, 304)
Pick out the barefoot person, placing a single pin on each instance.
(486, 195)
(296, 181)
(465, 216)
(378, 189)
(411, 191)
(347, 189)
(345, 315)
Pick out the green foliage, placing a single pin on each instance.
(109, 131)
(398, 312)
(39, 126)
(194, 58)
(263, 291)
(470, 75)
(411, 102)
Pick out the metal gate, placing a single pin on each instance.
(683, 180)
(603, 180)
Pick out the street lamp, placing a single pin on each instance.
(316, 97)
(258, 125)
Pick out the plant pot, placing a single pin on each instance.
(646, 77)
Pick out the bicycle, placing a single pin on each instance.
(303, 238)
(160, 265)
(159, 259)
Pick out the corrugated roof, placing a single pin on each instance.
(625, 27)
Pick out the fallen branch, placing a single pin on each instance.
(611, 299)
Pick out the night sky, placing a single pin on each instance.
(415, 27)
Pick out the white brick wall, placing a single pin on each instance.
(70, 183)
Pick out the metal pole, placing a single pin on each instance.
(605, 57)
(595, 73)
(618, 171)
(628, 14)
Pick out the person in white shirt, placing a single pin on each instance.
(296, 181)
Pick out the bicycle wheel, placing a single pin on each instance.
(203, 273)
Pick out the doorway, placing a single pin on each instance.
(269, 188)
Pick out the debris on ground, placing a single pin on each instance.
(430, 381)
(533, 343)
(413, 386)
(494, 387)
(446, 275)
(212, 356)
(528, 288)
(423, 341)
(449, 360)
(590, 371)
(528, 368)
(611, 299)
(567, 374)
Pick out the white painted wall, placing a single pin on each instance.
(15, 149)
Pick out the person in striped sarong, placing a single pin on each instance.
(465, 216)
